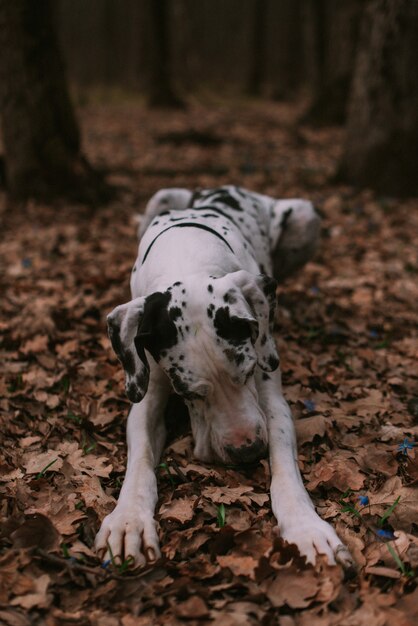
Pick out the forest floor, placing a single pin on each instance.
(347, 335)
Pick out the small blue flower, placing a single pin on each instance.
(385, 534)
(105, 564)
(364, 500)
(373, 333)
(309, 405)
(405, 446)
(26, 262)
(314, 291)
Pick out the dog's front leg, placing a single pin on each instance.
(295, 513)
(130, 531)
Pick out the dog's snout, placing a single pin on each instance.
(248, 452)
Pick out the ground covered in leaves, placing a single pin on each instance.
(347, 332)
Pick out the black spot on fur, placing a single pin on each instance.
(179, 385)
(216, 209)
(137, 380)
(177, 219)
(210, 288)
(157, 331)
(273, 362)
(134, 269)
(239, 358)
(285, 218)
(210, 310)
(128, 362)
(226, 198)
(125, 356)
(265, 376)
(269, 286)
(229, 297)
(233, 329)
(234, 356)
(174, 313)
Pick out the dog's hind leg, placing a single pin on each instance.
(297, 519)
(170, 199)
(130, 530)
(294, 235)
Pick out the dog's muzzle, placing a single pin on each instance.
(247, 453)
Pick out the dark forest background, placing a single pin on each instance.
(267, 48)
(354, 62)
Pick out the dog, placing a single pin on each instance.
(200, 323)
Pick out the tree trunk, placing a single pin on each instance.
(331, 35)
(40, 133)
(161, 90)
(381, 148)
(285, 54)
(257, 58)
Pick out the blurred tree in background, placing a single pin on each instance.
(168, 50)
(330, 40)
(277, 48)
(40, 133)
(161, 91)
(257, 60)
(382, 131)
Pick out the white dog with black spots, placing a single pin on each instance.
(200, 324)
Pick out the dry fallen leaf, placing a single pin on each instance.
(339, 472)
(193, 608)
(180, 510)
(239, 565)
(294, 589)
(39, 597)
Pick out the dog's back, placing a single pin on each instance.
(282, 234)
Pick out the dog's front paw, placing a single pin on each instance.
(313, 536)
(128, 533)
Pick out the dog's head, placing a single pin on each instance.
(208, 336)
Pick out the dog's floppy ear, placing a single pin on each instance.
(260, 294)
(123, 323)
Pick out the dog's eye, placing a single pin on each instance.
(236, 330)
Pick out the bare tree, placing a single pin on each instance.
(381, 148)
(330, 41)
(161, 89)
(41, 138)
(257, 59)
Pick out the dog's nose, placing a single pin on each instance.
(247, 453)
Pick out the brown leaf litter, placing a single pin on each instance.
(347, 334)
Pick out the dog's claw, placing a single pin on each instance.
(316, 537)
(128, 534)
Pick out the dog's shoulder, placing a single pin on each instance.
(164, 200)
